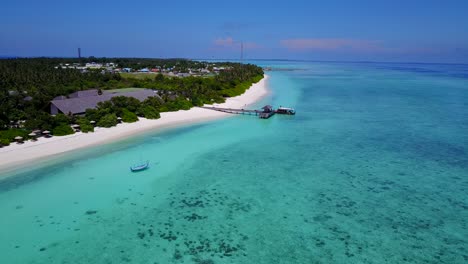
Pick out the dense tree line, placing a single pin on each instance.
(28, 85)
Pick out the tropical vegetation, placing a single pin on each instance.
(27, 85)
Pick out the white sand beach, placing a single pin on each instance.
(16, 155)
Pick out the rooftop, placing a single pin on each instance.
(89, 99)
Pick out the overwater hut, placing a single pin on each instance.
(267, 112)
(267, 109)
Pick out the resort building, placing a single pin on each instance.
(77, 102)
(93, 65)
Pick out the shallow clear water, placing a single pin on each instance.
(372, 169)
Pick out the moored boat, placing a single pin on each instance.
(285, 111)
(140, 167)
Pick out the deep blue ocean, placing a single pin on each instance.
(373, 168)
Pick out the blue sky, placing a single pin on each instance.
(360, 30)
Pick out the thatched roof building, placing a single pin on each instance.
(78, 102)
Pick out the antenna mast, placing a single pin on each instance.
(242, 52)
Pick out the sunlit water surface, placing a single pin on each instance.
(372, 169)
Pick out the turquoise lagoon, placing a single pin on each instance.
(372, 169)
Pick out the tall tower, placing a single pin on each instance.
(242, 52)
(79, 53)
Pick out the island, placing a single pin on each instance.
(54, 105)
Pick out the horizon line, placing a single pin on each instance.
(232, 59)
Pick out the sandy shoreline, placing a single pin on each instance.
(16, 155)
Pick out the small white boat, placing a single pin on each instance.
(140, 167)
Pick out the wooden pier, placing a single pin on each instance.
(266, 113)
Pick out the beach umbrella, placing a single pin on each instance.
(92, 122)
(18, 138)
(33, 136)
(75, 126)
(46, 132)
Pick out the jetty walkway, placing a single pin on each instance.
(266, 113)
